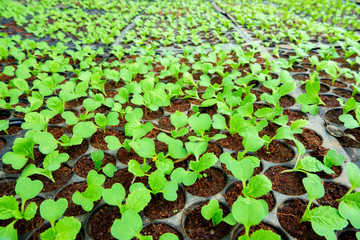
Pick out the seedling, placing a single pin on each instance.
(9, 208)
(52, 211)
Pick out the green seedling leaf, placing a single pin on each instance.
(69, 117)
(196, 148)
(260, 235)
(95, 178)
(249, 212)
(157, 181)
(51, 210)
(109, 170)
(8, 232)
(252, 142)
(314, 187)
(113, 143)
(242, 170)
(178, 119)
(28, 189)
(86, 199)
(212, 211)
(66, 228)
(137, 200)
(144, 147)
(168, 236)
(333, 159)
(353, 174)
(311, 164)
(170, 191)
(128, 226)
(325, 220)
(180, 175)
(219, 122)
(114, 196)
(97, 156)
(35, 121)
(84, 129)
(136, 169)
(205, 162)
(31, 169)
(258, 186)
(9, 208)
(200, 123)
(46, 141)
(349, 208)
(53, 160)
(16, 160)
(90, 104)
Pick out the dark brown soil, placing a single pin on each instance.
(212, 184)
(286, 183)
(209, 110)
(301, 77)
(178, 105)
(152, 134)
(277, 152)
(294, 115)
(102, 109)
(61, 177)
(12, 129)
(286, 101)
(333, 116)
(336, 83)
(269, 130)
(342, 92)
(75, 102)
(99, 225)
(309, 138)
(67, 192)
(97, 140)
(232, 142)
(161, 208)
(330, 101)
(57, 119)
(2, 143)
(124, 177)
(124, 156)
(348, 235)
(198, 228)
(157, 229)
(234, 191)
(333, 192)
(7, 187)
(149, 115)
(57, 132)
(85, 164)
(160, 147)
(263, 226)
(258, 106)
(76, 150)
(289, 216)
(165, 123)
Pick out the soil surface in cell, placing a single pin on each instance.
(198, 228)
(289, 217)
(213, 183)
(159, 207)
(289, 183)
